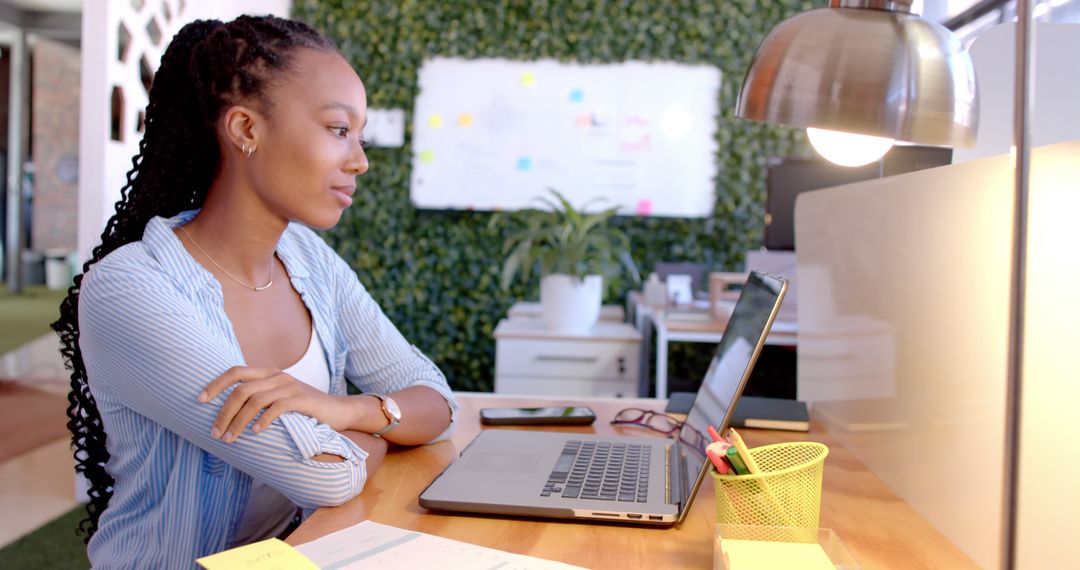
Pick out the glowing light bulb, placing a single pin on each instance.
(848, 149)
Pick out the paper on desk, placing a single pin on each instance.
(373, 545)
(766, 555)
(271, 554)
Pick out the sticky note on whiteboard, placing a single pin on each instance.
(524, 164)
(465, 120)
(528, 79)
(644, 207)
(435, 121)
(427, 156)
(577, 95)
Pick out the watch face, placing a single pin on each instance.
(392, 407)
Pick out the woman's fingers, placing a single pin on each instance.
(250, 385)
(234, 375)
(231, 407)
(270, 414)
(251, 407)
(268, 391)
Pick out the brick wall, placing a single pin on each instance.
(55, 145)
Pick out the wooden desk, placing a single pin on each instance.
(879, 529)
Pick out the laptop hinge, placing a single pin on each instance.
(667, 474)
(677, 467)
(673, 476)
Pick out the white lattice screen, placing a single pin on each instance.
(122, 43)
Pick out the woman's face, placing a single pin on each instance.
(310, 151)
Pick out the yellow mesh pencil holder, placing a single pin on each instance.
(786, 493)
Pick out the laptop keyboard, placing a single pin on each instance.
(601, 471)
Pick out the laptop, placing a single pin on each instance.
(640, 480)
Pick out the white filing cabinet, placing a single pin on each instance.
(531, 360)
(528, 310)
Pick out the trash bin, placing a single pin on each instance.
(32, 267)
(58, 268)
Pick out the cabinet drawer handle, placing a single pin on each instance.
(558, 358)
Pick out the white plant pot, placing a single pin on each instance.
(570, 304)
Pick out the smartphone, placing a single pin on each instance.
(556, 415)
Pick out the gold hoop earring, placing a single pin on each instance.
(248, 150)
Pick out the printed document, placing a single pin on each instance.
(373, 545)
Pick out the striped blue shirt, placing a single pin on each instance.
(154, 333)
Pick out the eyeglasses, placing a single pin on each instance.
(662, 423)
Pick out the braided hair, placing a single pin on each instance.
(208, 66)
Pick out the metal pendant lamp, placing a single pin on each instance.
(869, 67)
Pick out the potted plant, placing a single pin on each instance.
(573, 250)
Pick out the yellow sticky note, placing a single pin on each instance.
(528, 79)
(427, 156)
(435, 121)
(465, 120)
(271, 554)
(759, 554)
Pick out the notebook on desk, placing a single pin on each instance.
(752, 412)
(614, 478)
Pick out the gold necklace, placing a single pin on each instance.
(269, 278)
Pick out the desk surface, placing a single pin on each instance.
(878, 527)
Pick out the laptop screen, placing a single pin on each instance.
(730, 368)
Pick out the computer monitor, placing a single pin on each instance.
(909, 158)
(787, 177)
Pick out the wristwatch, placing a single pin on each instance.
(392, 412)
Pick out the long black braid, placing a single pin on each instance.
(208, 66)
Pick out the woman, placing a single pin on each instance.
(211, 333)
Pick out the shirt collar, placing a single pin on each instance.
(289, 252)
(191, 276)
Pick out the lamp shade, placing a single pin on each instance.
(871, 71)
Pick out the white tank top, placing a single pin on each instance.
(311, 369)
(268, 512)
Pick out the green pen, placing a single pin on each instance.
(736, 461)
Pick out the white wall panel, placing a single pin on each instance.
(921, 262)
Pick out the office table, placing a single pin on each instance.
(685, 325)
(878, 528)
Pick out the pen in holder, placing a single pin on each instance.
(787, 491)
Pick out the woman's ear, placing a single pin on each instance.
(241, 128)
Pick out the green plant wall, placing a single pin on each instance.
(436, 273)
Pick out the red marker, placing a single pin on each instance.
(716, 452)
(715, 435)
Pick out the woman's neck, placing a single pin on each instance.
(240, 234)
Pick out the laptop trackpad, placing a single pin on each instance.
(503, 462)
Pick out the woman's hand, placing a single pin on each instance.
(272, 392)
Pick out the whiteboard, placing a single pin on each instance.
(491, 134)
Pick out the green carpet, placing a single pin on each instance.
(26, 316)
(51, 547)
